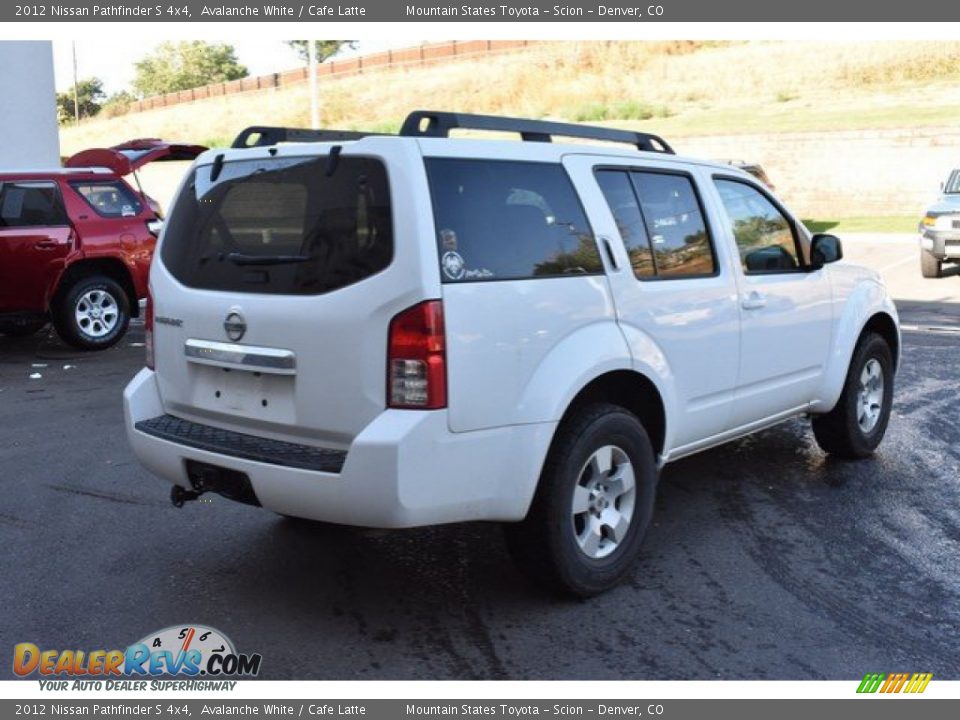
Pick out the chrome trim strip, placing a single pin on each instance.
(248, 357)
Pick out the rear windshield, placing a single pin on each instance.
(290, 226)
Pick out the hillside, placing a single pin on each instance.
(677, 88)
(686, 91)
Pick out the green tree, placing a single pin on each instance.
(183, 65)
(90, 97)
(325, 48)
(117, 104)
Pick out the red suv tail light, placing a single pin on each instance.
(148, 329)
(417, 358)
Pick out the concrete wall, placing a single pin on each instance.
(845, 173)
(29, 136)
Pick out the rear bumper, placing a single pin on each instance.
(404, 469)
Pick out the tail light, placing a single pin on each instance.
(417, 358)
(148, 329)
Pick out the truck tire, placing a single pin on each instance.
(593, 504)
(93, 313)
(856, 425)
(930, 267)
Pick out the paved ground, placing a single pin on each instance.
(767, 560)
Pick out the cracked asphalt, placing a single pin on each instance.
(767, 560)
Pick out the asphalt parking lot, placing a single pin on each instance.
(768, 560)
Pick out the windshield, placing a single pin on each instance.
(952, 186)
(297, 226)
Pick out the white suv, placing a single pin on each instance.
(394, 331)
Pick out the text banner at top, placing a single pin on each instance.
(621, 11)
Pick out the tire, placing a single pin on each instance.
(22, 329)
(850, 430)
(930, 267)
(559, 547)
(77, 318)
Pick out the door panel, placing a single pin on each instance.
(34, 240)
(667, 288)
(785, 309)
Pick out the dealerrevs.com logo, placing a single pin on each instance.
(190, 651)
(887, 683)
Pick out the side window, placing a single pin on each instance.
(499, 220)
(31, 204)
(618, 190)
(764, 236)
(675, 223)
(109, 199)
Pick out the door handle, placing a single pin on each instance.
(754, 301)
(608, 249)
(47, 245)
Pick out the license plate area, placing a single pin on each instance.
(231, 484)
(250, 394)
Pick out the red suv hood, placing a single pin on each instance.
(123, 159)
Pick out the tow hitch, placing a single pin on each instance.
(178, 496)
(231, 484)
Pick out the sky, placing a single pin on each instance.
(113, 61)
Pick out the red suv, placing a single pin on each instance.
(76, 243)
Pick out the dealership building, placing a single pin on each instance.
(28, 123)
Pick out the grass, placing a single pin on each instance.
(629, 110)
(865, 224)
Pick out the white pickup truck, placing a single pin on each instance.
(394, 331)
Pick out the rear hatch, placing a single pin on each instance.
(132, 155)
(279, 272)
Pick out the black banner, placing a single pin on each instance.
(621, 11)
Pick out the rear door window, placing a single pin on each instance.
(296, 226)
(109, 199)
(661, 222)
(31, 204)
(505, 220)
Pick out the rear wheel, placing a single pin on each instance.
(930, 267)
(858, 422)
(93, 313)
(593, 506)
(24, 329)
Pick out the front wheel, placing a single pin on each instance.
(593, 506)
(858, 422)
(930, 267)
(93, 313)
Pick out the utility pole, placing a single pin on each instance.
(314, 100)
(76, 92)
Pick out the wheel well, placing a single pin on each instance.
(111, 267)
(632, 391)
(884, 326)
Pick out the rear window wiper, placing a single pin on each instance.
(245, 260)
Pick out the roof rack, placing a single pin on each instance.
(264, 136)
(428, 123)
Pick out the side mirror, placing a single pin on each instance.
(824, 249)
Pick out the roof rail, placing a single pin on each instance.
(428, 123)
(264, 136)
